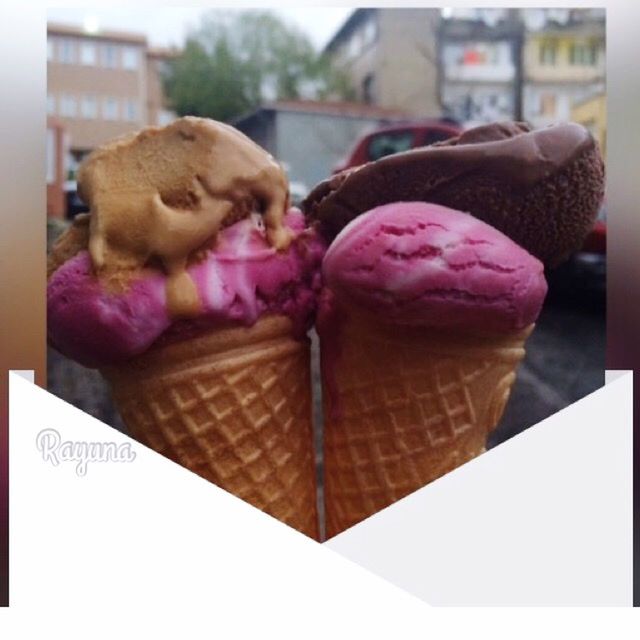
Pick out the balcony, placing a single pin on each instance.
(504, 72)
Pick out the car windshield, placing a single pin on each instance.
(384, 144)
(436, 135)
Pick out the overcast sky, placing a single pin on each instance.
(166, 26)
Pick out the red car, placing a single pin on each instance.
(596, 241)
(396, 138)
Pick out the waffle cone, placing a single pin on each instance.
(233, 406)
(404, 407)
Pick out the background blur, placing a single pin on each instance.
(323, 89)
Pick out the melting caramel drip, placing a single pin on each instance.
(163, 193)
(182, 292)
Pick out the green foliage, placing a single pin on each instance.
(236, 60)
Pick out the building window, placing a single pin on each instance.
(51, 156)
(51, 104)
(110, 109)
(353, 47)
(51, 50)
(131, 111)
(130, 58)
(163, 67)
(88, 54)
(110, 56)
(548, 104)
(548, 53)
(575, 54)
(369, 32)
(67, 51)
(89, 107)
(165, 117)
(583, 54)
(68, 106)
(482, 53)
(368, 89)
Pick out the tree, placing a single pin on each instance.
(236, 60)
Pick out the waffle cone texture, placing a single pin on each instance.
(233, 406)
(405, 406)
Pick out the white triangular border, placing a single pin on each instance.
(544, 519)
(150, 537)
(174, 555)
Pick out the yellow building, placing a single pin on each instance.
(576, 56)
(562, 65)
(592, 113)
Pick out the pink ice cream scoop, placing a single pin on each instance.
(237, 281)
(422, 264)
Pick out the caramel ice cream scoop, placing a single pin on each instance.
(161, 194)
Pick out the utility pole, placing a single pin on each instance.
(516, 28)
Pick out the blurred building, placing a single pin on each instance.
(55, 167)
(102, 85)
(310, 137)
(390, 57)
(158, 111)
(530, 64)
(564, 61)
(592, 113)
(479, 64)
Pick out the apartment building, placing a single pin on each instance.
(592, 113)
(102, 85)
(530, 64)
(55, 151)
(563, 61)
(158, 112)
(390, 57)
(479, 66)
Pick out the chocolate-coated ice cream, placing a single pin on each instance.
(541, 188)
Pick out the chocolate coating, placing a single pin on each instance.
(541, 188)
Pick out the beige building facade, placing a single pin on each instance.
(158, 111)
(592, 113)
(390, 57)
(102, 85)
(564, 65)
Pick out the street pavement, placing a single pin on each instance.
(565, 361)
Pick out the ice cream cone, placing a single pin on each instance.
(404, 406)
(233, 406)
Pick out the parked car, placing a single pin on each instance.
(399, 137)
(596, 241)
(74, 203)
(584, 274)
